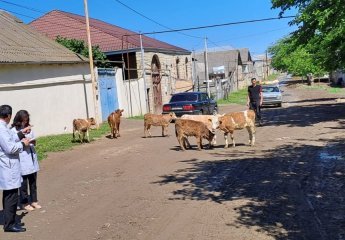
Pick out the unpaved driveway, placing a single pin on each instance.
(289, 186)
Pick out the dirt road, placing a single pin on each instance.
(289, 186)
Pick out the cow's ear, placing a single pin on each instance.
(122, 110)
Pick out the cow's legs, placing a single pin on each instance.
(87, 135)
(187, 143)
(73, 135)
(163, 131)
(199, 143)
(214, 141)
(180, 140)
(232, 138)
(148, 129)
(118, 129)
(251, 132)
(226, 140)
(145, 130)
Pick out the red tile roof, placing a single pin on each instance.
(107, 36)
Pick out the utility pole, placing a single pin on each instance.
(193, 69)
(93, 80)
(143, 72)
(206, 70)
(266, 66)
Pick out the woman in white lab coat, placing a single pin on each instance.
(28, 162)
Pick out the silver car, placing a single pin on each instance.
(272, 95)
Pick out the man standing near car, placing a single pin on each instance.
(255, 98)
(10, 174)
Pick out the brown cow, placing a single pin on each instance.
(114, 123)
(157, 120)
(82, 126)
(238, 120)
(185, 128)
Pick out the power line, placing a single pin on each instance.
(21, 6)
(152, 20)
(217, 25)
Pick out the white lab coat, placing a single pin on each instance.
(28, 157)
(10, 146)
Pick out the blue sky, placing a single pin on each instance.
(178, 14)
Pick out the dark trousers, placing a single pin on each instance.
(29, 182)
(9, 204)
(257, 109)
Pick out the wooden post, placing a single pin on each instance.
(92, 72)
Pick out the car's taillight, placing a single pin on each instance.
(166, 108)
(188, 107)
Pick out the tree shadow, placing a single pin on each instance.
(305, 115)
(292, 192)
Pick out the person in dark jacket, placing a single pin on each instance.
(255, 98)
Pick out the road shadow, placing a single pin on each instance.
(305, 115)
(292, 192)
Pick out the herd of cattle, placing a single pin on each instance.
(198, 126)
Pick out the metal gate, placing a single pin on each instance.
(108, 91)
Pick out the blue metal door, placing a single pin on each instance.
(108, 91)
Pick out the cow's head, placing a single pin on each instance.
(214, 121)
(119, 112)
(172, 116)
(92, 121)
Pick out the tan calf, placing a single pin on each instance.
(114, 123)
(82, 126)
(185, 128)
(238, 120)
(211, 121)
(162, 120)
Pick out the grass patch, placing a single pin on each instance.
(140, 117)
(272, 77)
(238, 97)
(335, 90)
(61, 142)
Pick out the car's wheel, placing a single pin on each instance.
(200, 112)
(215, 111)
(279, 104)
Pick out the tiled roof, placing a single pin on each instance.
(19, 43)
(107, 36)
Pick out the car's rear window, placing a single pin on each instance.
(184, 97)
(270, 89)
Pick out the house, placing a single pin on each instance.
(224, 71)
(247, 66)
(43, 77)
(165, 65)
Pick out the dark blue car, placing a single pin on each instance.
(191, 103)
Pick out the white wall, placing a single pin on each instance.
(53, 94)
(132, 91)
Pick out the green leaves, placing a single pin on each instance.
(79, 46)
(321, 29)
(289, 56)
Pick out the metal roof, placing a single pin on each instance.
(19, 43)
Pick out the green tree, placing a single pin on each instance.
(79, 46)
(321, 29)
(288, 56)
